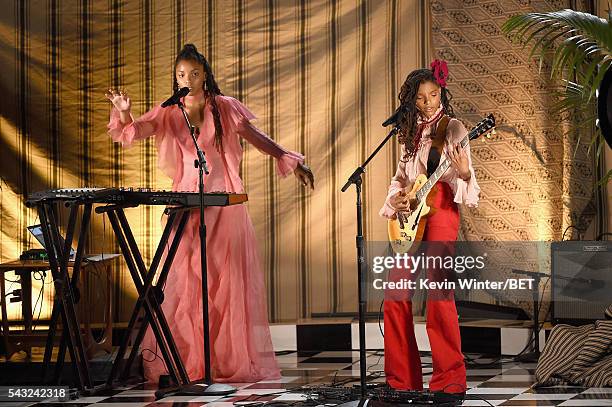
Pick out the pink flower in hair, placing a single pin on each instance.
(440, 71)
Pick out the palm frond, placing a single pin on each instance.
(579, 46)
(573, 99)
(606, 178)
(581, 41)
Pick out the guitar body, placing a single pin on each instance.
(404, 236)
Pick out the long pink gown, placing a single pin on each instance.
(241, 346)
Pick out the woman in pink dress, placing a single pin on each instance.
(241, 346)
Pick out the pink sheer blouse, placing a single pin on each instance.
(176, 152)
(407, 171)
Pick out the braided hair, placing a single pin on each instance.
(210, 87)
(407, 98)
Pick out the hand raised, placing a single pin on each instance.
(119, 99)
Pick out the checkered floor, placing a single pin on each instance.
(498, 384)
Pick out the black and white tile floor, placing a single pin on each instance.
(498, 384)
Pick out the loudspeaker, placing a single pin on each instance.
(581, 274)
(604, 107)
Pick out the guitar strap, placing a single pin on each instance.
(437, 145)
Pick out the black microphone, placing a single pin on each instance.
(395, 117)
(174, 99)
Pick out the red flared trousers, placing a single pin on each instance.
(402, 361)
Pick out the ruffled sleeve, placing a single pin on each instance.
(149, 124)
(387, 211)
(235, 115)
(145, 126)
(465, 192)
(398, 182)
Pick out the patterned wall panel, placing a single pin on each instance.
(536, 177)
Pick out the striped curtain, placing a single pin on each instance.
(320, 75)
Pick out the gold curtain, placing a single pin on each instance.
(320, 75)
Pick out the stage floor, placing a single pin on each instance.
(502, 383)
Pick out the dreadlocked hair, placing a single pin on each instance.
(407, 98)
(210, 87)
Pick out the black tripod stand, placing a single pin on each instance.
(356, 179)
(534, 355)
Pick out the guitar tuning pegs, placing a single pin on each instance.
(493, 132)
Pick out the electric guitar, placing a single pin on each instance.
(408, 229)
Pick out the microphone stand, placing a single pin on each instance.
(534, 355)
(196, 388)
(356, 179)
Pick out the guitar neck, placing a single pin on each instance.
(427, 186)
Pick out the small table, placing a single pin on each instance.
(23, 340)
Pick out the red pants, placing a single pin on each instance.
(402, 361)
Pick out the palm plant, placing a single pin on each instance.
(581, 48)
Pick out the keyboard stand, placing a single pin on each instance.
(147, 298)
(65, 289)
(149, 295)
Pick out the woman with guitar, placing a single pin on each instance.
(429, 135)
